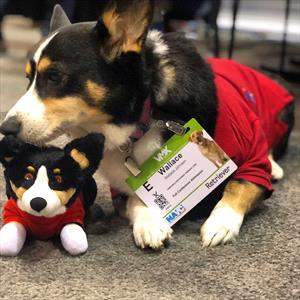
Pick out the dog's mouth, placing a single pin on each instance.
(54, 135)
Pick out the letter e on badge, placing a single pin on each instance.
(147, 186)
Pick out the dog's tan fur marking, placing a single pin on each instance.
(241, 196)
(137, 47)
(80, 158)
(64, 196)
(113, 46)
(44, 64)
(127, 28)
(96, 91)
(73, 109)
(28, 69)
(19, 191)
(110, 19)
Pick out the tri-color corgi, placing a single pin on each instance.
(99, 76)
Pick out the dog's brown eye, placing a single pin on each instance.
(54, 76)
(58, 179)
(28, 176)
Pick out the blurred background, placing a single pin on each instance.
(264, 34)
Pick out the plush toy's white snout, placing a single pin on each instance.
(40, 200)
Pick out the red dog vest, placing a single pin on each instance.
(248, 123)
(43, 228)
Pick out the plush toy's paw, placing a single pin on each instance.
(73, 239)
(222, 226)
(12, 238)
(150, 230)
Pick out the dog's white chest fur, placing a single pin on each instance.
(112, 165)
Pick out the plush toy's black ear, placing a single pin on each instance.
(10, 148)
(87, 151)
(59, 19)
(123, 26)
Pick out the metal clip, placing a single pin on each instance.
(161, 124)
(176, 128)
(132, 166)
(172, 126)
(126, 147)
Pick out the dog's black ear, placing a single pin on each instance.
(87, 152)
(10, 148)
(59, 19)
(123, 26)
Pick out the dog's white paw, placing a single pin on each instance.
(222, 226)
(150, 229)
(277, 172)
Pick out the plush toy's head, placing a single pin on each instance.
(46, 180)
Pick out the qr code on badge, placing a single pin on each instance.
(160, 200)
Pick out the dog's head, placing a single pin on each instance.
(197, 137)
(85, 74)
(46, 180)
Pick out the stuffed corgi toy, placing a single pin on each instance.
(49, 192)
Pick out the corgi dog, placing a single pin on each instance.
(101, 77)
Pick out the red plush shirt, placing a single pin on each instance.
(248, 122)
(43, 228)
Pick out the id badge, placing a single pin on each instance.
(182, 173)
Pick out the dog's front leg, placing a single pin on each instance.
(149, 228)
(224, 222)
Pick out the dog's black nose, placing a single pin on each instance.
(38, 204)
(10, 126)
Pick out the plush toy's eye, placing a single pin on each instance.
(28, 176)
(58, 179)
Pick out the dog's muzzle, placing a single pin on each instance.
(11, 126)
